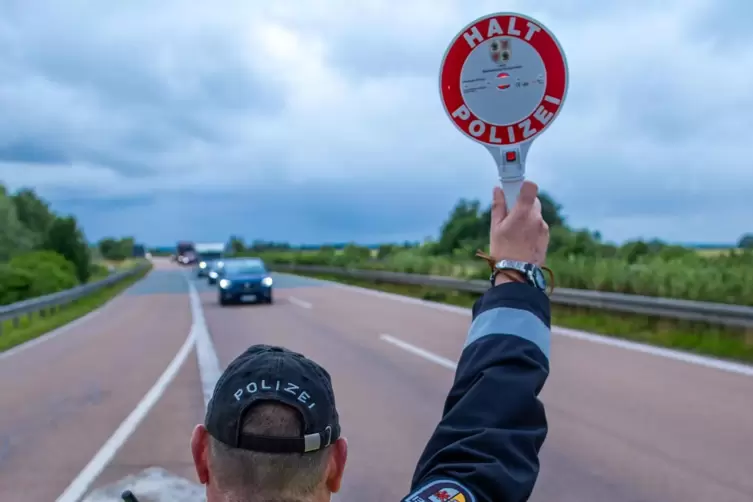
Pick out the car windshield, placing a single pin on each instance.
(245, 267)
(210, 256)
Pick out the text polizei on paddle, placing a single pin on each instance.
(503, 81)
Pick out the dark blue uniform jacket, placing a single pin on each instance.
(486, 446)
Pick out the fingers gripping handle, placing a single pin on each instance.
(512, 168)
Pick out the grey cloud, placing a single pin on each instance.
(76, 201)
(612, 189)
(364, 54)
(162, 93)
(726, 23)
(306, 213)
(368, 213)
(149, 92)
(27, 150)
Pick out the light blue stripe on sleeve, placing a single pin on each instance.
(509, 321)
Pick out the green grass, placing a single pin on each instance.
(712, 253)
(100, 269)
(699, 338)
(725, 277)
(32, 327)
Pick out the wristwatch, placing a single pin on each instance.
(532, 274)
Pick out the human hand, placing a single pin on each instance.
(521, 235)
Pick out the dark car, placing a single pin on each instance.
(214, 270)
(243, 280)
(205, 261)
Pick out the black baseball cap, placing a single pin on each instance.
(265, 373)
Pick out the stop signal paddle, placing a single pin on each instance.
(503, 81)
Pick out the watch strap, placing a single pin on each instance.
(513, 275)
(513, 268)
(492, 262)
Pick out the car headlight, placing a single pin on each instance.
(220, 264)
(224, 283)
(213, 274)
(203, 264)
(267, 281)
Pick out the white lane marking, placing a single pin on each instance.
(393, 296)
(300, 303)
(66, 327)
(429, 356)
(81, 484)
(676, 355)
(208, 368)
(708, 362)
(206, 355)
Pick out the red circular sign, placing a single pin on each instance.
(503, 79)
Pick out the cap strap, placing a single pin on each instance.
(277, 444)
(313, 442)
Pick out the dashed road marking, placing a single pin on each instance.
(429, 356)
(300, 303)
(671, 354)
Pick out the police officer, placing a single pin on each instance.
(272, 430)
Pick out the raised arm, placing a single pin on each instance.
(486, 446)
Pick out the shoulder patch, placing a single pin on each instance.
(441, 490)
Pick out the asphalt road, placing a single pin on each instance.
(625, 426)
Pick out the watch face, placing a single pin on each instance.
(539, 279)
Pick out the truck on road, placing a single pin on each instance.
(185, 253)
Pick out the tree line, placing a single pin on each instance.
(41, 251)
(114, 249)
(580, 258)
(466, 229)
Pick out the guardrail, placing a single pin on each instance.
(739, 316)
(48, 304)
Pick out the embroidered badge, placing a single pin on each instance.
(443, 490)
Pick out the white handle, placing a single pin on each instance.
(511, 170)
(512, 190)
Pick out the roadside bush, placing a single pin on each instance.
(67, 239)
(98, 271)
(15, 284)
(34, 274)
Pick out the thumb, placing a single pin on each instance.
(499, 205)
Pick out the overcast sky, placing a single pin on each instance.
(176, 120)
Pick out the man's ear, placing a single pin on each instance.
(200, 452)
(336, 467)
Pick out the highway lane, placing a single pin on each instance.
(62, 399)
(625, 426)
(387, 409)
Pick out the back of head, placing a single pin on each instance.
(271, 431)
(250, 476)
